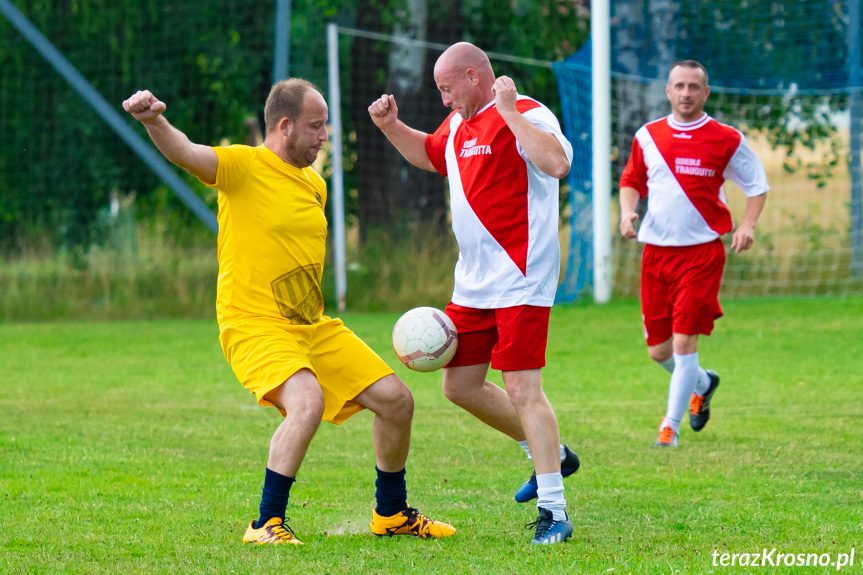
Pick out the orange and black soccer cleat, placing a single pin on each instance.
(699, 405)
(275, 531)
(409, 522)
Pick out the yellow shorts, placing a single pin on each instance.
(264, 353)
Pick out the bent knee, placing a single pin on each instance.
(659, 355)
(454, 393)
(521, 394)
(660, 352)
(306, 408)
(403, 402)
(395, 399)
(300, 395)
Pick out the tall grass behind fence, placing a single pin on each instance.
(148, 270)
(142, 272)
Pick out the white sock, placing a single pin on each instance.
(672, 423)
(525, 447)
(550, 494)
(562, 452)
(703, 382)
(682, 385)
(667, 365)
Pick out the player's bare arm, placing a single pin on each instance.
(409, 142)
(744, 235)
(542, 148)
(199, 160)
(628, 216)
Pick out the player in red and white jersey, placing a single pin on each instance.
(504, 208)
(679, 163)
(503, 154)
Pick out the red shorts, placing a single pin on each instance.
(680, 289)
(511, 338)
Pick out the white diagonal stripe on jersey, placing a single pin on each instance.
(671, 217)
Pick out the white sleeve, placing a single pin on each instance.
(542, 118)
(747, 171)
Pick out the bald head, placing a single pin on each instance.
(465, 56)
(464, 76)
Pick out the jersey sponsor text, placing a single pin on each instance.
(471, 149)
(692, 166)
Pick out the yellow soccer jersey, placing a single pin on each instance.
(272, 237)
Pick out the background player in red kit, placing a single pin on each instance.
(504, 154)
(679, 164)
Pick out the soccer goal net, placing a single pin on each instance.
(397, 221)
(786, 74)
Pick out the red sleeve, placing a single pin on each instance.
(525, 105)
(635, 173)
(436, 146)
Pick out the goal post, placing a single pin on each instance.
(601, 75)
(337, 188)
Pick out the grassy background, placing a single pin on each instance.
(130, 447)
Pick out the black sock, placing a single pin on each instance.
(391, 492)
(274, 499)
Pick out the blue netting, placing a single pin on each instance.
(751, 47)
(574, 82)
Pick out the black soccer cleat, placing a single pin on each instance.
(699, 405)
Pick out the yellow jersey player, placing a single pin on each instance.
(271, 246)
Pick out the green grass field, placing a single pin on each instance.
(130, 447)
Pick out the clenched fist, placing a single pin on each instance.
(144, 106)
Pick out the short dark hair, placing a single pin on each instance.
(690, 64)
(286, 101)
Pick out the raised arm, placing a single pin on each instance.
(409, 142)
(198, 160)
(542, 148)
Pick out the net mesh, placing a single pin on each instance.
(796, 100)
(84, 218)
(399, 239)
(60, 164)
(86, 228)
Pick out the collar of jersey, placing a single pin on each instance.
(686, 126)
(274, 160)
(481, 110)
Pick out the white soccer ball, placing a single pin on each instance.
(424, 339)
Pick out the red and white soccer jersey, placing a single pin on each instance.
(504, 209)
(680, 168)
